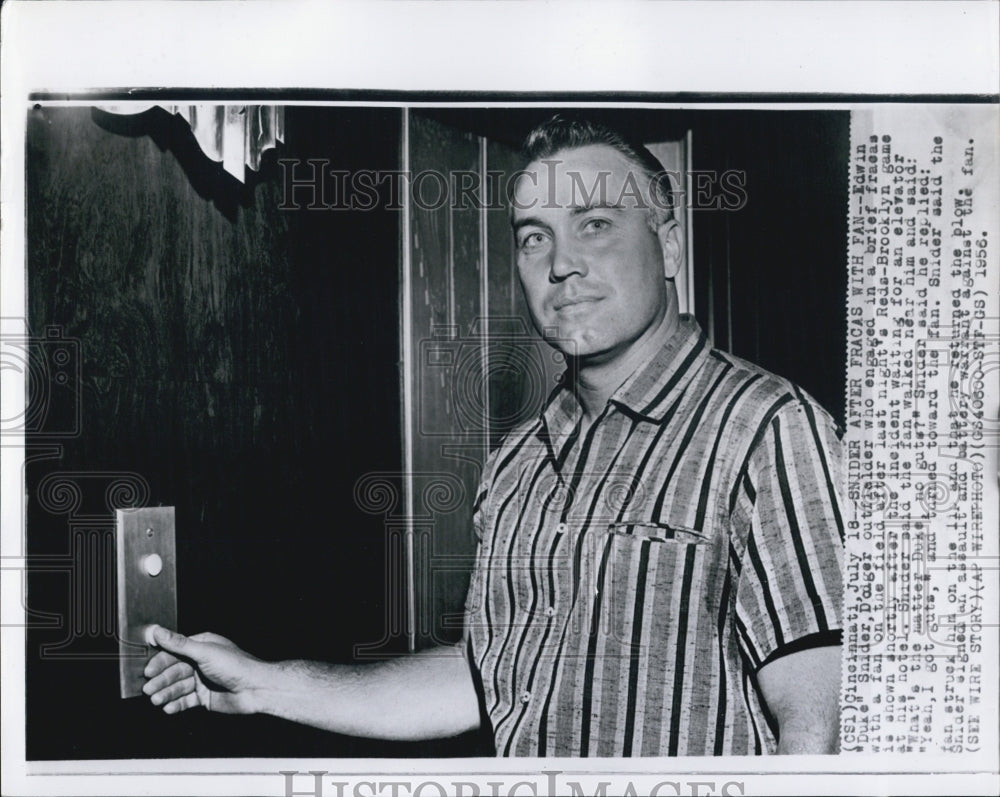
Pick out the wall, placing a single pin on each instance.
(774, 272)
(240, 362)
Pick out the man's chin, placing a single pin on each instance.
(563, 341)
(583, 348)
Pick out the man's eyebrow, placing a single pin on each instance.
(527, 221)
(579, 209)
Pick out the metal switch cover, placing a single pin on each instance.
(147, 587)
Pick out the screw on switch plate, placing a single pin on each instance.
(147, 587)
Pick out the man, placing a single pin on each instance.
(659, 569)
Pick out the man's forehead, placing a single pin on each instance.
(595, 174)
(563, 164)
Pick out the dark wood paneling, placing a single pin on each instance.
(459, 264)
(239, 362)
(480, 367)
(446, 268)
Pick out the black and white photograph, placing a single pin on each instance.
(472, 440)
(239, 348)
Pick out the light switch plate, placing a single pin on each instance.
(147, 587)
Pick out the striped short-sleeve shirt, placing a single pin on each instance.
(632, 579)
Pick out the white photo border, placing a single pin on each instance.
(721, 55)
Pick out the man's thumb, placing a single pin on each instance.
(170, 641)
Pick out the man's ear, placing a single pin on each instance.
(672, 245)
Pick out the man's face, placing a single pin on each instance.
(588, 260)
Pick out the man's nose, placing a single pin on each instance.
(566, 260)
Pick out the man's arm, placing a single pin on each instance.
(422, 696)
(802, 691)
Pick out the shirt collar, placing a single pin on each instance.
(648, 393)
(654, 388)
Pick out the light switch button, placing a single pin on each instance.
(152, 564)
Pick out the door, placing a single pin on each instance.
(473, 366)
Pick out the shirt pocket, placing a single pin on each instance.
(654, 563)
(657, 531)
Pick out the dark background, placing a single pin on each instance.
(773, 272)
(240, 362)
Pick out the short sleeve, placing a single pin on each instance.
(790, 593)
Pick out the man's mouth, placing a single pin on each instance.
(572, 301)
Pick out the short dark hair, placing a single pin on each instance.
(565, 131)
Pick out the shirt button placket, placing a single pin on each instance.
(561, 529)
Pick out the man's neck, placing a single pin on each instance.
(597, 381)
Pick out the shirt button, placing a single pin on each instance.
(550, 611)
(561, 528)
(525, 697)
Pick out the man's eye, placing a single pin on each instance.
(532, 240)
(596, 225)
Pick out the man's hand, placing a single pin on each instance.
(203, 670)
